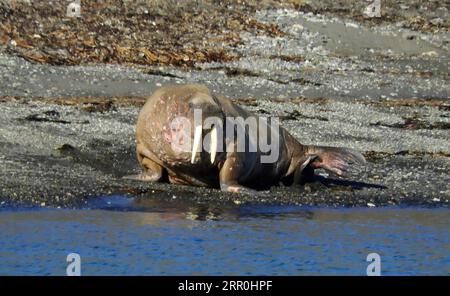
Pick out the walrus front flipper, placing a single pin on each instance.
(229, 175)
(334, 159)
(152, 171)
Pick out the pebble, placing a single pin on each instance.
(297, 28)
(352, 25)
(431, 54)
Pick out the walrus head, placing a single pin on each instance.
(207, 117)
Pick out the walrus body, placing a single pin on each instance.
(166, 127)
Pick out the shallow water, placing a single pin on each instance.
(120, 236)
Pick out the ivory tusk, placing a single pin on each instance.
(197, 141)
(213, 148)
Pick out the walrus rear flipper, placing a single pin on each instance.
(334, 159)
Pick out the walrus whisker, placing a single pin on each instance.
(213, 144)
(197, 141)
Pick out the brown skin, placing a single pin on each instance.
(231, 171)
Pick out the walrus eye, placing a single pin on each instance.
(191, 105)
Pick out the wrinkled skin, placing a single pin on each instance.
(160, 133)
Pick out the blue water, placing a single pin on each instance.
(119, 236)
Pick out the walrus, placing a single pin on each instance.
(170, 136)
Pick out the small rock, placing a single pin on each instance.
(352, 25)
(66, 147)
(371, 205)
(307, 188)
(431, 54)
(437, 21)
(410, 36)
(436, 199)
(297, 28)
(237, 202)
